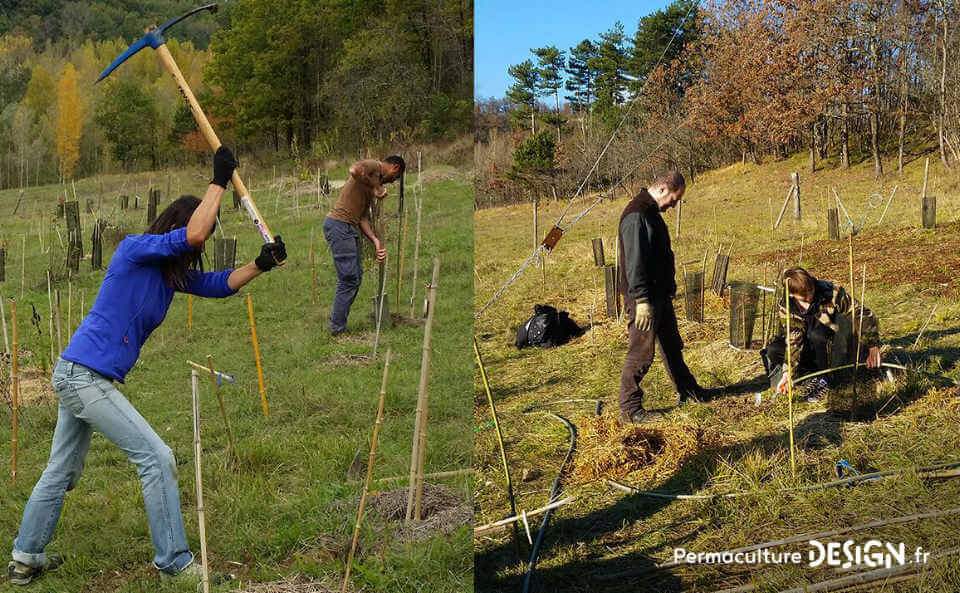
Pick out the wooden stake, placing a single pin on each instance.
(189, 312)
(863, 293)
(679, 214)
(895, 188)
(223, 409)
(783, 208)
(23, 263)
(415, 492)
(70, 307)
(256, 355)
(786, 298)
(536, 232)
(380, 298)
(195, 385)
(366, 483)
(15, 389)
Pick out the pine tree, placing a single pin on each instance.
(523, 92)
(69, 122)
(580, 77)
(550, 62)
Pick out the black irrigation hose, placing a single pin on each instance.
(554, 492)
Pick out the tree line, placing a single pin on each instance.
(845, 81)
(279, 79)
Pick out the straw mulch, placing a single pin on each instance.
(607, 448)
(443, 512)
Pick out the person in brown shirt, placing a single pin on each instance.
(349, 216)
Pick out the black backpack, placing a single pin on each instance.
(547, 328)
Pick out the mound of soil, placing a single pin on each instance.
(443, 511)
(607, 448)
(35, 385)
(293, 585)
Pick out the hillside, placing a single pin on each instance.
(733, 444)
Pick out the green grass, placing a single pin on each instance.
(909, 271)
(285, 508)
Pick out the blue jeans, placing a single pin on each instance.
(344, 241)
(88, 402)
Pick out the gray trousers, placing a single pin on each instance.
(344, 242)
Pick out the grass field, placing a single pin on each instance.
(284, 509)
(731, 444)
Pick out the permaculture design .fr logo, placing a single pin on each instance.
(872, 554)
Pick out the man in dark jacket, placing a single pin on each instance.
(648, 286)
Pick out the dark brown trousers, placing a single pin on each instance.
(640, 349)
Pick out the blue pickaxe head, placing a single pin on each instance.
(153, 39)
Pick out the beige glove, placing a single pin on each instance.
(643, 317)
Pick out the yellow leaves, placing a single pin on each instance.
(69, 122)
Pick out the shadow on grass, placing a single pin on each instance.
(616, 527)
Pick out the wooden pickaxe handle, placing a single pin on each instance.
(207, 130)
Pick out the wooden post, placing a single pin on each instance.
(3, 264)
(223, 409)
(124, 202)
(401, 237)
(929, 213)
(536, 232)
(236, 200)
(15, 389)
(833, 224)
(415, 492)
(783, 208)
(96, 251)
(224, 253)
(796, 193)
(598, 258)
(74, 238)
(313, 273)
(366, 483)
(189, 313)
(195, 386)
(256, 355)
(152, 206)
(679, 214)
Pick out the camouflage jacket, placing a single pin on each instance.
(829, 302)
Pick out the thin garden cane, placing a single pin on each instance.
(195, 385)
(380, 299)
(189, 313)
(15, 390)
(786, 298)
(419, 429)
(3, 322)
(401, 237)
(56, 299)
(215, 377)
(863, 292)
(416, 251)
(313, 273)
(256, 355)
(366, 483)
(53, 357)
(496, 424)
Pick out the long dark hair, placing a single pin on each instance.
(176, 269)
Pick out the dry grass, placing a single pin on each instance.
(608, 448)
(443, 512)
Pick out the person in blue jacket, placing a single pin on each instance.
(136, 292)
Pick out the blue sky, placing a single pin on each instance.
(505, 31)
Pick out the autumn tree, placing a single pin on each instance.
(69, 122)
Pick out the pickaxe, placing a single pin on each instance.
(154, 39)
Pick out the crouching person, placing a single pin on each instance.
(822, 335)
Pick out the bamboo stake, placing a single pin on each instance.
(496, 424)
(401, 237)
(853, 310)
(703, 285)
(189, 312)
(380, 299)
(56, 295)
(50, 305)
(3, 322)
(416, 251)
(419, 428)
(195, 385)
(924, 328)
(926, 171)
(366, 483)
(679, 214)
(515, 518)
(223, 409)
(895, 188)
(446, 474)
(70, 307)
(836, 196)
(23, 263)
(784, 208)
(256, 355)
(15, 388)
(863, 293)
(313, 274)
(786, 297)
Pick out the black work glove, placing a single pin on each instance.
(223, 165)
(271, 255)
